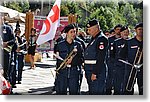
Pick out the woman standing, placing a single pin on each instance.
(32, 47)
(68, 76)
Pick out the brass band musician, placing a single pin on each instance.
(68, 74)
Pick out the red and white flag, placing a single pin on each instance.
(50, 24)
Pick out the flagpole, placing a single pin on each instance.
(49, 4)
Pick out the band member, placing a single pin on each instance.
(119, 66)
(95, 58)
(21, 51)
(112, 32)
(80, 39)
(110, 60)
(131, 52)
(8, 40)
(68, 77)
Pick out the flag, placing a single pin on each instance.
(50, 24)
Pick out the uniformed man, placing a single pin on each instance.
(95, 59)
(112, 32)
(110, 60)
(132, 52)
(69, 76)
(119, 67)
(8, 40)
(107, 33)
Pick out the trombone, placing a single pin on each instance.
(64, 63)
(136, 65)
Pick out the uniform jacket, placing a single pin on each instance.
(64, 48)
(130, 49)
(96, 51)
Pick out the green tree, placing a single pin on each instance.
(64, 10)
(20, 5)
(139, 15)
(129, 14)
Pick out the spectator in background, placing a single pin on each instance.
(17, 25)
(32, 46)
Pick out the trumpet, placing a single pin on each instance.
(135, 67)
(64, 63)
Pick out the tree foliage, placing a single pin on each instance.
(111, 13)
(20, 5)
(108, 13)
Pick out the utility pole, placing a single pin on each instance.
(42, 7)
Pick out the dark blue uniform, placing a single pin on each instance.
(7, 36)
(12, 68)
(56, 43)
(81, 67)
(128, 53)
(20, 56)
(110, 63)
(119, 67)
(55, 47)
(81, 41)
(95, 63)
(69, 76)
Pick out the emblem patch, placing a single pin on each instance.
(101, 47)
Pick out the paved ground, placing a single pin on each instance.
(40, 81)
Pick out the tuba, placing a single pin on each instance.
(64, 63)
(136, 65)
